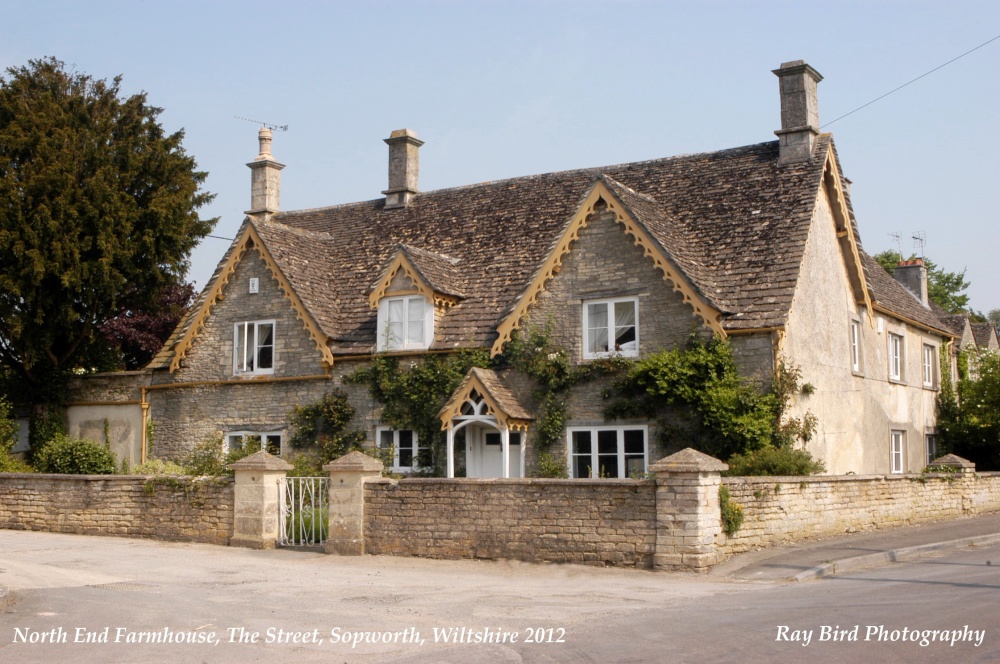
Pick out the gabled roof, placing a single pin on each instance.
(437, 277)
(985, 334)
(727, 228)
(891, 297)
(500, 400)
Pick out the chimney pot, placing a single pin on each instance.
(797, 83)
(265, 178)
(404, 168)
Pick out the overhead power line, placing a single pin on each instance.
(913, 81)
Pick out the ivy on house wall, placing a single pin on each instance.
(700, 400)
(412, 393)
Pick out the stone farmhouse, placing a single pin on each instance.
(755, 244)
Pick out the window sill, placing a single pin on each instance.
(253, 374)
(611, 356)
(898, 381)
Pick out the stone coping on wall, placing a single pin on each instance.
(107, 478)
(523, 481)
(815, 479)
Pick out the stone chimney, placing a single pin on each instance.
(404, 168)
(913, 275)
(265, 178)
(799, 111)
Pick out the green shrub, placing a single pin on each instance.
(44, 427)
(213, 458)
(731, 512)
(774, 461)
(207, 458)
(159, 467)
(306, 464)
(549, 465)
(8, 438)
(73, 456)
(301, 529)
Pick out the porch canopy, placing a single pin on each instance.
(483, 398)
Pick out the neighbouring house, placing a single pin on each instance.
(756, 244)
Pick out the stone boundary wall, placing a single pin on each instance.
(185, 509)
(779, 510)
(596, 522)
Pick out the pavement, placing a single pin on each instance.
(814, 559)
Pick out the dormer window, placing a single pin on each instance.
(253, 348)
(405, 323)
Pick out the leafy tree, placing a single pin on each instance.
(945, 289)
(135, 335)
(98, 213)
(994, 317)
(969, 417)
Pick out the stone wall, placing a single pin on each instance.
(788, 509)
(168, 508)
(605, 522)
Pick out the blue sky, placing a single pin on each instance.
(502, 89)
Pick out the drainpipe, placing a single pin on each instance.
(145, 418)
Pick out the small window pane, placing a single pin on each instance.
(385, 439)
(597, 324)
(273, 444)
(634, 441)
(581, 442)
(607, 442)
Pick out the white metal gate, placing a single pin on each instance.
(304, 511)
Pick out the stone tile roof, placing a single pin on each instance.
(734, 222)
(501, 393)
(983, 333)
(894, 297)
(442, 273)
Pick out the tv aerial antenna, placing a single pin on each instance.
(897, 238)
(920, 242)
(272, 127)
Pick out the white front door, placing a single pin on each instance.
(484, 452)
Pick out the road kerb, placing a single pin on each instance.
(886, 557)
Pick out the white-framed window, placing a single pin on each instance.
(896, 359)
(405, 323)
(608, 451)
(270, 441)
(930, 445)
(253, 347)
(407, 454)
(855, 340)
(611, 327)
(896, 440)
(930, 366)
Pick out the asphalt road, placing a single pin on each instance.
(275, 606)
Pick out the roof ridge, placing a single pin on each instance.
(598, 170)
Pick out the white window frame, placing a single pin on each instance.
(930, 447)
(244, 357)
(407, 343)
(611, 303)
(897, 447)
(897, 357)
(930, 366)
(595, 464)
(855, 346)
(417, 448)
(263, 435)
